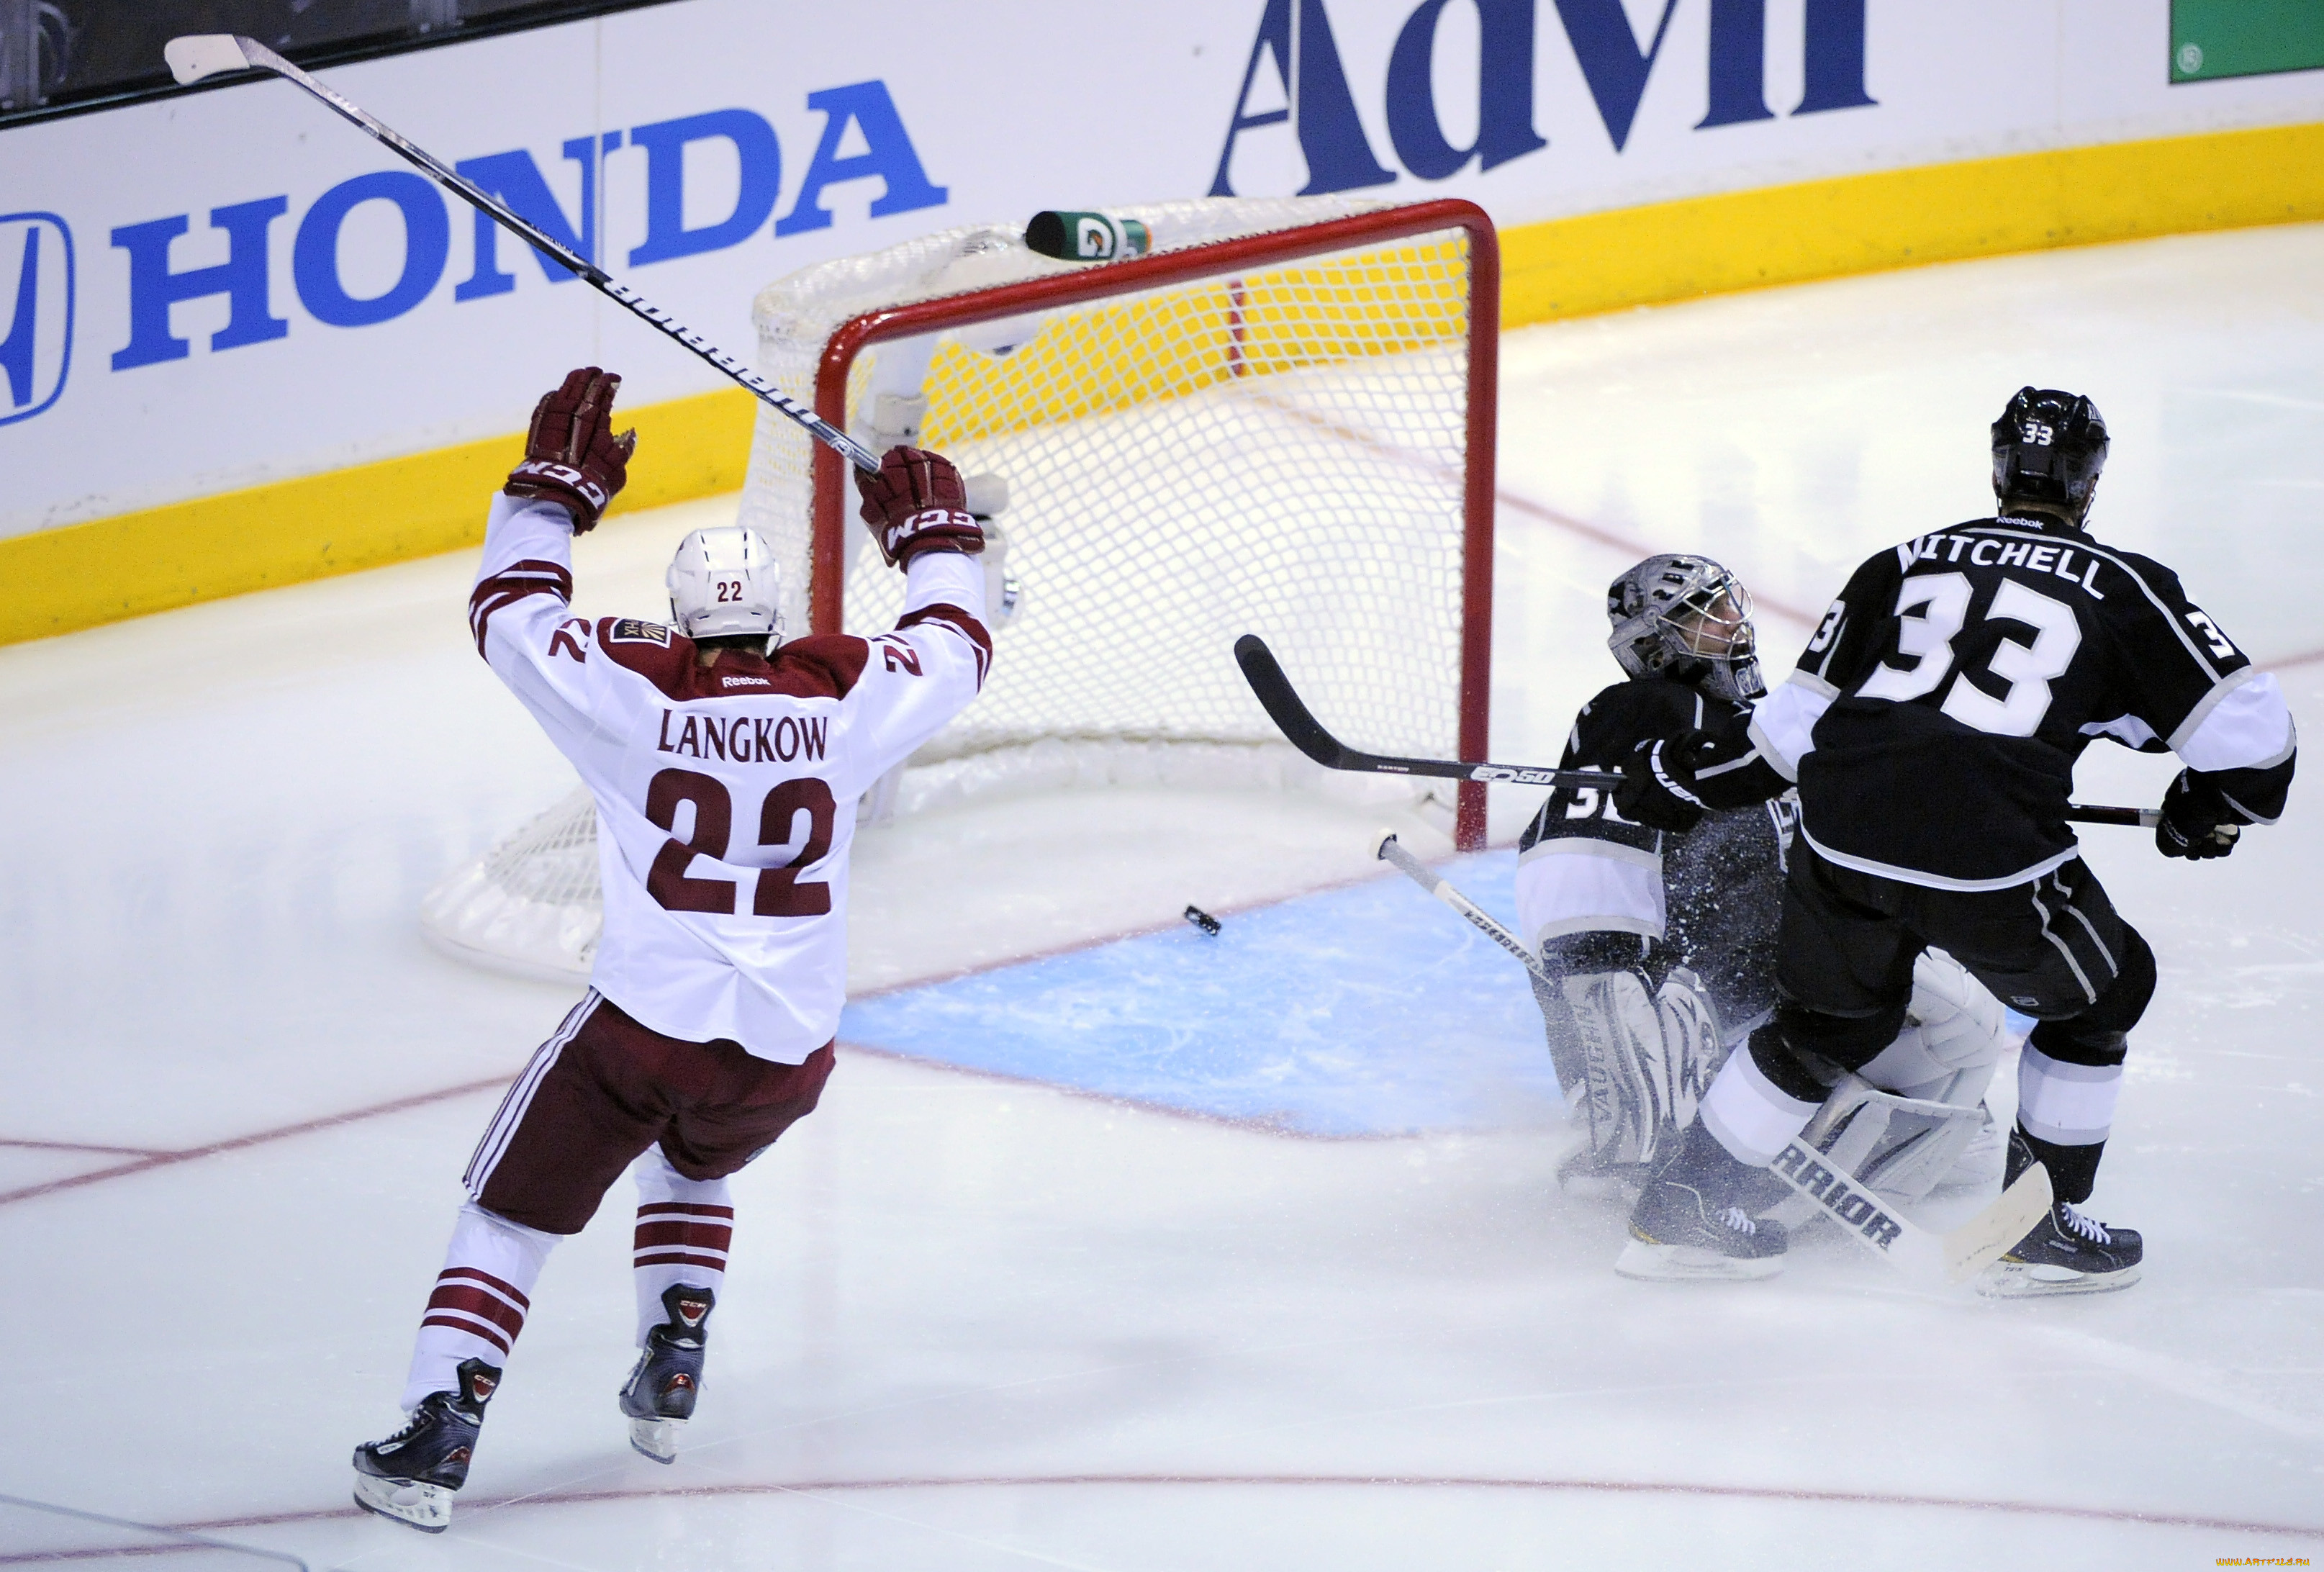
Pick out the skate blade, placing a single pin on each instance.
(425, 1507)
(656, 1438)
(1691, 1263)
(2016, 1281)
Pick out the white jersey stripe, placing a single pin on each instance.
(495, 1145)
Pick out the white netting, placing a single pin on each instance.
(1280, 449)
(1280, 452)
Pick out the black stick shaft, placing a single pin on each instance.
(1299, 724)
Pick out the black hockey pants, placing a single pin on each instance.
(2053, 948)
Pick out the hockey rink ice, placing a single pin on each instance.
(1120, 1249)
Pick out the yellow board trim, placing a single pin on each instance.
(339, 522)
(291, 530)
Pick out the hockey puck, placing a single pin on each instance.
(1203, 920)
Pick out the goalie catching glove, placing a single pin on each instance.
(571, 455)
(917, 502)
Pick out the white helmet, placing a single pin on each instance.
(725, 583)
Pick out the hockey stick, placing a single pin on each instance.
(1292, 717)
(1391, 852)
(198, 56)
(1952, 1255)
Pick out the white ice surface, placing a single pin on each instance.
(975, 1324)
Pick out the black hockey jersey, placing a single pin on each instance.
(1709, 898)
(1934, 720)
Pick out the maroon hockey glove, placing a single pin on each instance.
(915, 504)
(2197, 822)
(1657, 787)
(571, 455)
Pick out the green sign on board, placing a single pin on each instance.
(2210, 38)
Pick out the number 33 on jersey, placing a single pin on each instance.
(725, 794)
(1944, 698)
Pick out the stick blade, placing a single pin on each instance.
(1981, 1240)
(1282, 703)
(194, 56)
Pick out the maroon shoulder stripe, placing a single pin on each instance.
(959, 621)
(532, 576)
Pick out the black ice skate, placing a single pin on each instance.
(1694, 1220)
(661, 1389)
(2066, 1253)
(411, 1475)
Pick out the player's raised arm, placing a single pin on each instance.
(936, 658)
(572, 469)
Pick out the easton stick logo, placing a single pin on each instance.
(36, 317)
(1515, 777)
(1829, 1189)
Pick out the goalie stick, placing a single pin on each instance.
(1292, 717)
(196, 57)
(1951, 1255)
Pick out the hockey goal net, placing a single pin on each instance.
(1278, 419)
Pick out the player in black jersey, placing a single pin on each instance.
(1932, 727)
(1663, 943)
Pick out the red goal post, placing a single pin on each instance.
(1356, 233)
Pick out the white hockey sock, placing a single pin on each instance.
(480, 1302)
(683, 1229)
(2067, 1105)
(1751, 1116)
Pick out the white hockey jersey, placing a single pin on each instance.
(726, 795)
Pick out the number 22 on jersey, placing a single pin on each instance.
(1931, 609)
(777, 892)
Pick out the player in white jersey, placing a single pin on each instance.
(727, 765)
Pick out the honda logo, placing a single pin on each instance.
(36, 312)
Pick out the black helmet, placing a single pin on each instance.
(2048, 448)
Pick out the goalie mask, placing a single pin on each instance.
(1689, 619)
(2048, 448)
(723, 584)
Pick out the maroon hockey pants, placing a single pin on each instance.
(603, 1088)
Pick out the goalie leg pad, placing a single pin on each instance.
(1646, 1059)
(1952, 1037)
(1900, 1148)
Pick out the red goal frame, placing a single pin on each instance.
(1199, 261)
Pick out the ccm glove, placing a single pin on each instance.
(1657, 787)
(2197, 822)
(571, 455)
(917, 502)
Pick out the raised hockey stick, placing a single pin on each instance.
(199, 56)
(1952, 1255)
(1291, 714)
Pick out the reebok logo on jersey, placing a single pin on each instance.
(745, 682)
(1851, 1208)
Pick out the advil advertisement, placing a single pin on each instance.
(230, 287)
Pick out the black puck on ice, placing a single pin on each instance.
(1203, 920)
